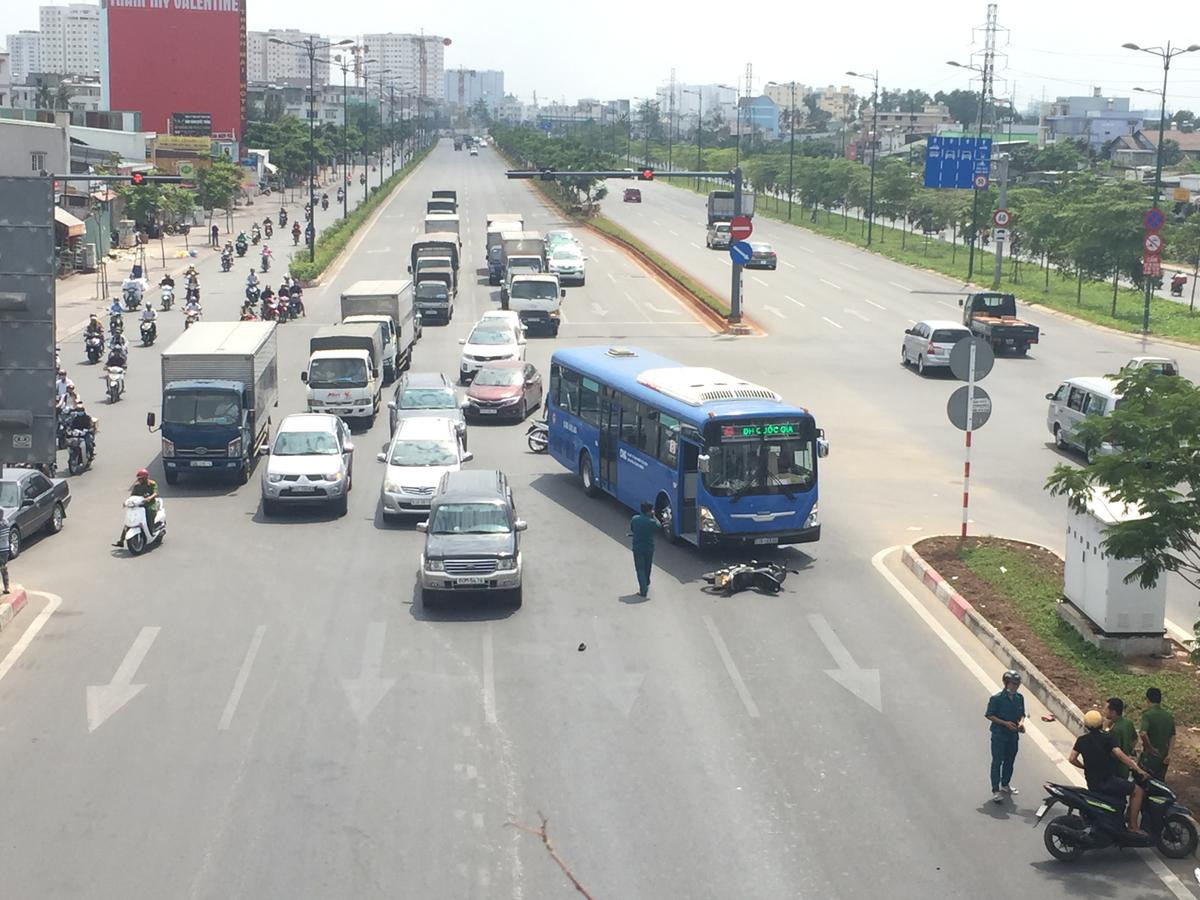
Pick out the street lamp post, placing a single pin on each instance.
(345, 67)
(367, 82)
(874, 79)
(1166, 54)
(978, 137)
(311, 47)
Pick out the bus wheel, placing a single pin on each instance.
(586, 478)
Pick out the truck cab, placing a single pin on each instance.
(537, 300)
(206, 427)
(342, 383)
(518, 265)
(434, 300)
(388, 334)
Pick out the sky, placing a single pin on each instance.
(618, 48)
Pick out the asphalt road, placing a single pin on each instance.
(272, 716)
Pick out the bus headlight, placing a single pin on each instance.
(814, 519)
(708, 522)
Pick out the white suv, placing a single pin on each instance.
(312, 460)
(418, 455)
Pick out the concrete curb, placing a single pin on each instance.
(1031, 677)
(13, 604)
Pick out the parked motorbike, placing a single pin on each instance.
(167, 296)
(1098, 820)
(93, 344)
(114, 377)
(149, 332)
(732, 579)
(78, 459)
(138, 536)
(537, 435)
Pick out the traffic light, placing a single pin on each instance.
(137, 179)
(646, 175)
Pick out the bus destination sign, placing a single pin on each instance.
(757, 430)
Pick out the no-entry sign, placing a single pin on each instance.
(741, 228)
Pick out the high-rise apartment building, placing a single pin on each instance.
(466, 87)
(69, 39)
(268, 61)
(412, 61)
(23, 54)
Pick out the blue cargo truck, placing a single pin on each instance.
(220, 381)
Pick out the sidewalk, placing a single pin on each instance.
(78, 296)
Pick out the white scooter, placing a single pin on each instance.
(115, 380)
(167, 295)
(137, 536)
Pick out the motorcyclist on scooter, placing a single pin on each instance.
(296, 304)
(248, 312)
(94, 326)
(115, 308)
(1100, 755)
(118, 352)
(266, 257)
(295, 232)
(79, 420)
(167, 281)
(149, 315)
(144, 487)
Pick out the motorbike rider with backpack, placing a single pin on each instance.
(81, 421)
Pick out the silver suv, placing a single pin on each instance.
(312, 461)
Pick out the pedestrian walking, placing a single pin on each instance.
(642, 528)
(1123, 733)
(4, 550)
(1006, 712)
(1157, 731)
(215, 232)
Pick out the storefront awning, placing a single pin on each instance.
(73, 225)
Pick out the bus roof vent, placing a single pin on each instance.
(697, 386)
(621, 352)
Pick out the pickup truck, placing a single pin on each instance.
(993, 317)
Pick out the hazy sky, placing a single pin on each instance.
(619, 48)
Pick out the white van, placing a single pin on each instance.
(1075, 399)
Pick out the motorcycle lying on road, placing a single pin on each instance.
(767, 578)
(138, 536)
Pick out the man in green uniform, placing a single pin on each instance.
(1157, 730)
(642, 528)
(143, 487)
(1123, 733)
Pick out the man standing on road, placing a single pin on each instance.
(4, 548)
(1157, 730)
(215, 233)
(1123, 733)
(642, 528)
(1006, 712)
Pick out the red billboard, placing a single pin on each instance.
(161, 57)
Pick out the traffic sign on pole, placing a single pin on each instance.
(956, 408)
(1001, 218)
(741, 227)
(980, 182)
(1152, 264)
(1153, 219)
(1153, 242)
(740, 252)
(960, 358)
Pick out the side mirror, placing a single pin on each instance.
(423, 526)
(702, 462)
(960, 301)
(462, 341)
(563, 293)
(822, 447)
(304, 376)
(374, 373)
(150, 420)
(26, 503)
(348, 447)
(382, 457)
(520, 525)
(410, 269)
(1050, 396)
(468, 456)
(392, 405)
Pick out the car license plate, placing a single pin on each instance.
(766, 540)
(1041, 811)
(487, 412)
(304, 489)
(469, 580)
(417, 501)
(202, 463)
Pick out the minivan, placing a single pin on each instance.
(1075, 399)
(472, 538)
(420, 453)
(718, 236)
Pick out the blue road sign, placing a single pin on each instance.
(1153, 219)
(740, 252)
(952, 162)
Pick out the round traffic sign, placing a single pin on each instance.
(1001, 218)
(741, 228)
(1153, 242)
(740, 252)
(980, 181)
(960, 358)
(1153, 219)
(956, 408)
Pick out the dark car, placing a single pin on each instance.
(509, 388)
(30, 502)
(426, 394)
(633, 195)
(763, 257)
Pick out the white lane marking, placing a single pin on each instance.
(414, 229)
(662, 312)
(698, 247)
(807, 250)
(10, 659)
(1069, 772)
(734, 675)
(656, 222)
(774, 312)
(243, 675)
(380, 250)
(611, 277)
(793, 300)
(759, 280)
(862, 683)
(831, 322)
(874, 304)
(788, 264)
(105, 699)
(676, 233)
(489, 677)
(848, 265)
(902, 287)
(948, 303)
(637, 306)
(674, 323)
(836, 287)
(856, 314)
(597, 309)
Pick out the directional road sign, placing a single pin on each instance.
(740, 252)
(1153, 242)
(960, 358)
(1153, 219)
(740, 228)
(954, 162)
(956, 409)
(1001, 218)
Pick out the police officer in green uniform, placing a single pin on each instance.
(642, 528)
(1006, 712)
(146, 487)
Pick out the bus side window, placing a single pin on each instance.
(568, 397)
(589, 401)
(555, 379)
(668, 440)
(630, 422)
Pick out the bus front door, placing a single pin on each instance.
(610, 432)
(691, 476)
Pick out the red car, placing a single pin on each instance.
(633, 195)
(506, 389)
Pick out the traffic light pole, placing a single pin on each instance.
(735, 290)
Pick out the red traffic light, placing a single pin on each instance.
(646, 175)
(137, 178)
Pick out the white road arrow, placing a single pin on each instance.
(862, 683)
(622, 688)
(599, 310)
(105, 699)
(365, 692)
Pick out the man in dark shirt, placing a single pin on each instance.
(1100, 757)
(642, 529)
(1006, 712)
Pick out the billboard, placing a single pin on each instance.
(159, 57)
(191, 124)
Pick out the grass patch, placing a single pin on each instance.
(334, 238)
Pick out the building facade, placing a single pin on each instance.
(926, 120)
(33, 148)
(328, 105)
(416, 61)
(5, 80)
(509, 110)
(267, 61)
(83, 93)
(1093, 119)
(839, 102)
(466, 87)
(23, 53)
(69, 39)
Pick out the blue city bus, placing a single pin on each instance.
(722, 460)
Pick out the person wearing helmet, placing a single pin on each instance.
(1100, 758)
(143, 487)
(1006, 712)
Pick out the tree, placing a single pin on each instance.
(1185, 119)
(272, 108)
(217, 185)
(894, 190)
(44, 98)
(818, 119)
(963, 105)
(1154, 466)
(1171, 154)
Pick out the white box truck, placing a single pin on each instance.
(376, 301)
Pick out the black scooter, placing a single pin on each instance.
(537, 435)
(767, 578)
(1098, 820)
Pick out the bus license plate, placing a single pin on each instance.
(469, 581)
(766, 540)
(1041, 811)
(202, 463)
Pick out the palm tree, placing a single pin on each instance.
(62, 98)
(43, 99)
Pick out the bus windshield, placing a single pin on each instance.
(767, 466)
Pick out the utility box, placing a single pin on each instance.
(1110, 613)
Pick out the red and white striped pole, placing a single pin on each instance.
(970, 421)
